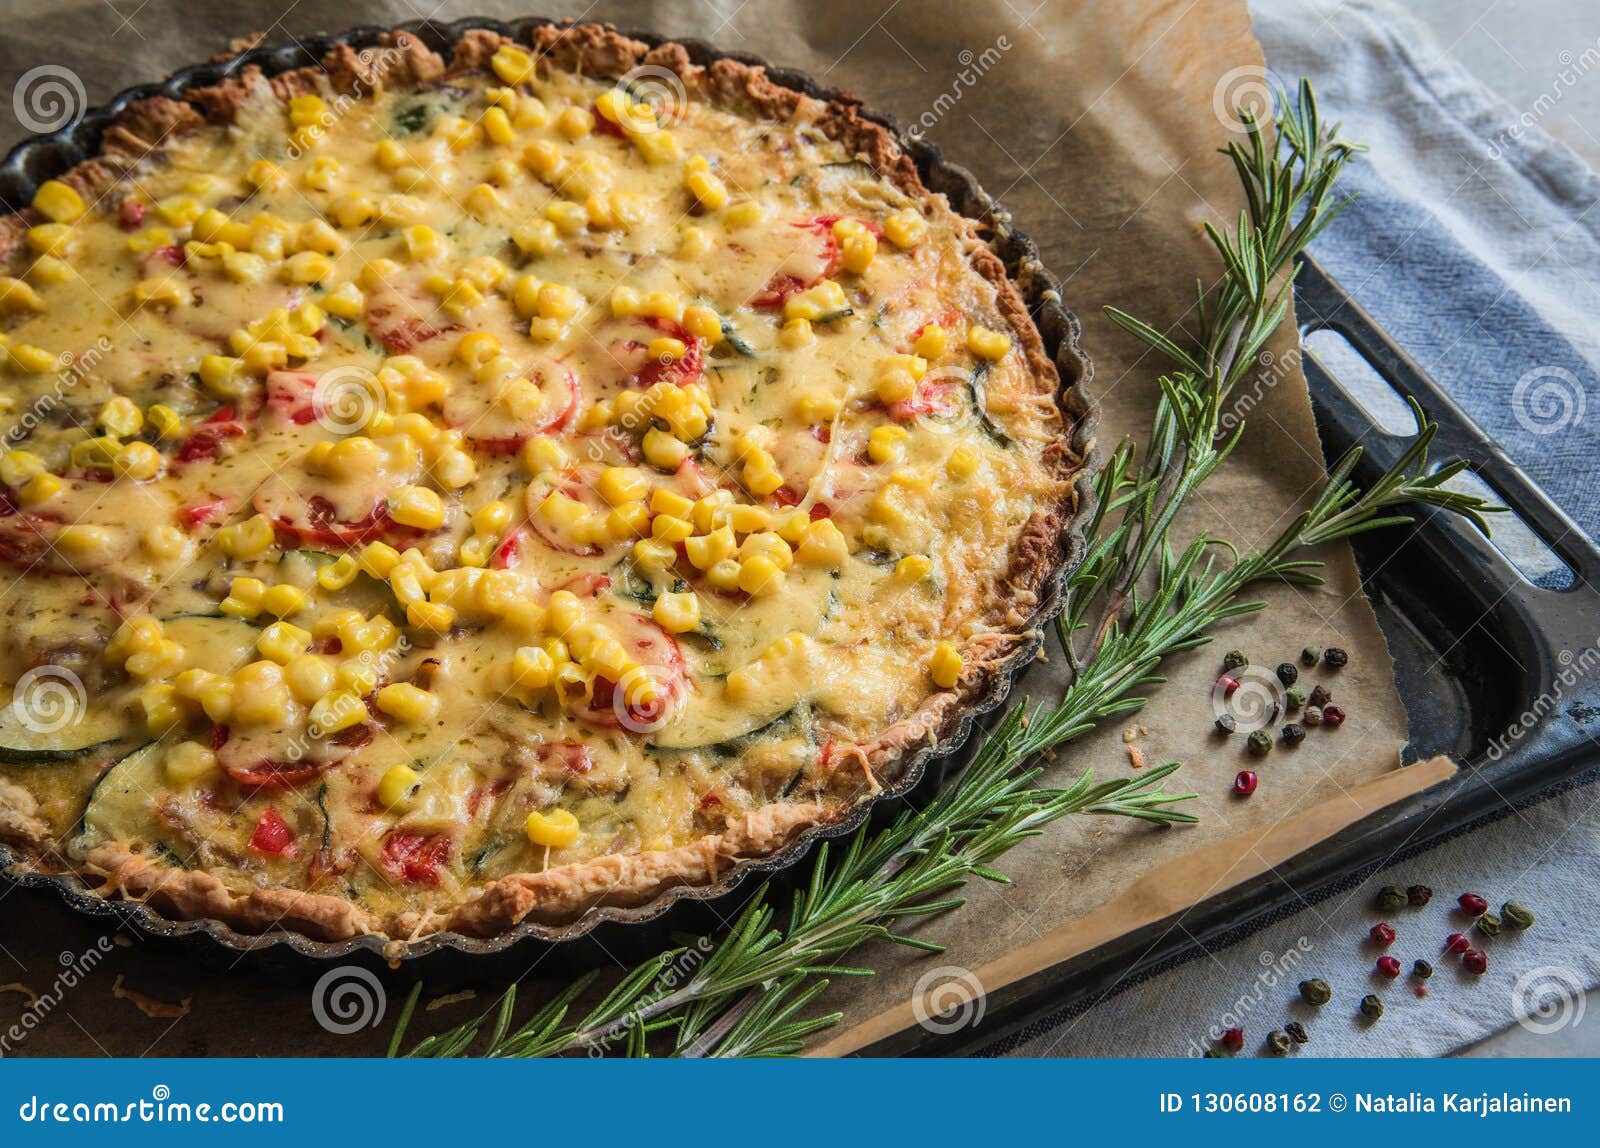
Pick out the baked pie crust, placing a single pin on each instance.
(443, 494)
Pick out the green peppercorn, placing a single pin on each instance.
(1489, 925)
(1316, 993)
(1279, 1042)
(1422, 970)
(1234, 659)
(1260, 743)
(1418, 895)
(1297, 1032)
(1389, 897)
(1311, 655)
(1516, 916)
(1371, 1007)
(1294, 697)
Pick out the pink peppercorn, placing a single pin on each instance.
(1389, 966)
(1382, 935)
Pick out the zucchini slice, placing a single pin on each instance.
(710, 720)
(91, 732)
(121, 805)
(213, 642)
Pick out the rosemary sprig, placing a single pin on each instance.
(748, 993)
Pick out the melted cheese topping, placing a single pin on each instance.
(420, 489)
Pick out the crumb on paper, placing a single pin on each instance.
(1133, 732)
(451, 998)
(150, 1006)
(1135, 757)
(19, 987)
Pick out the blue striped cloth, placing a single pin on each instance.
(1473, 243)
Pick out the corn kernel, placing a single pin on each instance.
(575, 122)
(157, 704)
(825, 300)
(430, 616)
(339, 573)
(857, 252)
(417, 506)
(669, 528)
(537, 237)
(618, 484)
(497, 126)
(913, 568)
(823, 544)
(283, 600)
(709, 191)
(706, 550)
(532, 667)
(399, 783)
(931, 342)
(557, 829)
(15, 295)
(407, 703)
(759, 575)
(30, 359)
(162, 540)
(138, 461)
(987, 344)
(945, 665)
(120, 417)
(663, 450)
(963, 462)
(282, 641)
(565, 611)
(189, 761)
(337, 710)
(246, 539)
(653, 555)
(905, 229)
(677, 613)
(57, 202)
(887, 444)
(703, 323)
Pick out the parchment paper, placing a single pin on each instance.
(1097, 125)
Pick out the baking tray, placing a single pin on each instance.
(1479, 651)
(609, 933)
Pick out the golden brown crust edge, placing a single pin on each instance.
(561, 895)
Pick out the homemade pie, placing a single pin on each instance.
(441, 494)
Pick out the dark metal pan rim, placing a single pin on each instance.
(42, 157)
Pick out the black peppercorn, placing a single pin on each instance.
(1260, 743)
(1279, 1043)
(1335, 658)
(1226, 724)
(1418, 895)
(1234, 659)
(1294, 733)
(1516, 916)
(1294, 697)
(1297, 1032)
(1287, 674)
(1320, 696)
(1316, 993)
(1389, 897)
(1311, 655)
(1489, 925)
(1371, 1007)
(1422, 969)
(1311, 716)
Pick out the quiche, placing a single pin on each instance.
(441, 494)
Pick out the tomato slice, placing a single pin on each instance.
(291, 396)
(273, 835)
(784, 284)
(250, 770)
(205, 439)
(312, 520)
(496, 432)
(939, 398)
(403, 320)
(571, 756)
(621, 704)
(631, 349)
(416, 858)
